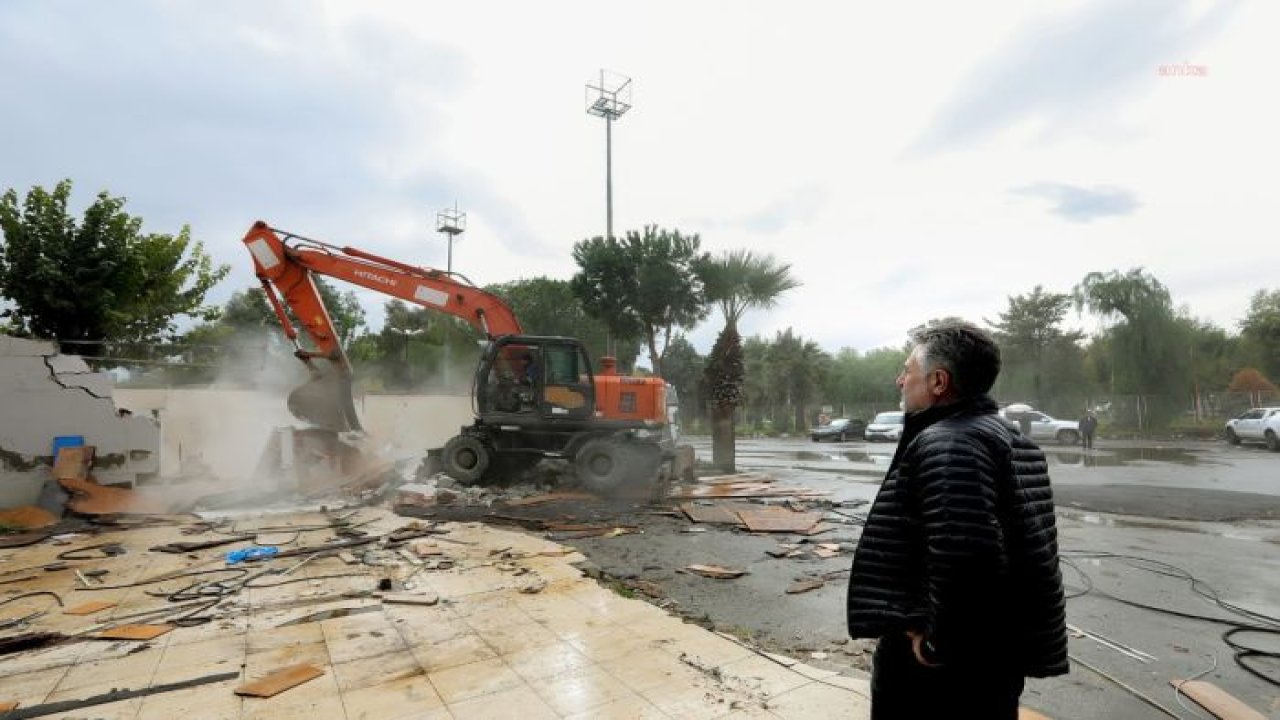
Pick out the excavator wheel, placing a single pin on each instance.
(465, 458)
(601, 465)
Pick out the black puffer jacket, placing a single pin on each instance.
(961, 545)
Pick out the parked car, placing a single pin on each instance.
(1044, 427)
(885, 426)
(1256, 425)
(840, 430)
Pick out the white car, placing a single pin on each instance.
(1256, 425)
(885, 426)
(1044, 427)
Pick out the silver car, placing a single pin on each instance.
(885, 426)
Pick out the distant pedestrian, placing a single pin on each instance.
(957, 569)
(1088, 426)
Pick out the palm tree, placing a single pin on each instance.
(736, 281)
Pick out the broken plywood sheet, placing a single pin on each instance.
(135, 632)
(743, 490)
(1216, 700)
(73, 462)
(724, 513)
(778, 519)
(550, 497)
(27, 517)
(89, 608)
(716, 571)
(90, 498)
(736, 478)
(280, 680)
(804, 586)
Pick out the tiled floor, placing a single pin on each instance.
(487, 650)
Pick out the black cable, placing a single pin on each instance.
(1244, 654)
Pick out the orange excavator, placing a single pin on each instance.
(533, 396)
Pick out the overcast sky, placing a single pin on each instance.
(909, 160)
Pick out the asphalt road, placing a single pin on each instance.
(1210, 509)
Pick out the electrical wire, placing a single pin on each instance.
(1260, 623)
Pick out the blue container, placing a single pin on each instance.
(253, 552)
(66, 441)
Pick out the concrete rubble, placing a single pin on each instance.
(45, 395)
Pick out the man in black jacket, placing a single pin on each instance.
(957, 569)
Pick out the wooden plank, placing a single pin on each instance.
(1222, 704)
(715, 571)
(73, 463)
(551, 497)
(134, 632)
(89, 608)
(410, 598)
(778, 520)
(735, 479)
(1029, 714)
(280, 680)
(720, 513)
(8, 705)
(803, 586)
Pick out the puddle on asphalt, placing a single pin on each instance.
(1116, 457)
(845, 456)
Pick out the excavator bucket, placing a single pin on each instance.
(326, 401)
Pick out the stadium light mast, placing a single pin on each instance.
(609, 97)
(451, 222)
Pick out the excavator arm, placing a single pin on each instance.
(285, 262)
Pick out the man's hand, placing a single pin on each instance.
(917, 648)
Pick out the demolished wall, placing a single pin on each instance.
(44, 395)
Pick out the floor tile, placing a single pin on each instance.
(538, 663)
(479, 678)
(367, 672)
(651, 668)
(461, 650)
(410, 697)
(215, 700)
(507, 639)
(516, 704)
(580, 690)
(818, 700)
(633, 707)
(762, 676)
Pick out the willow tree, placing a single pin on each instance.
(736, 281)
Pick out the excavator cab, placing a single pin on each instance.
(534, 378)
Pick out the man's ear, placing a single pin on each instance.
(939, 382)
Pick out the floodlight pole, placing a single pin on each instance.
(609, 98)
(451, 222)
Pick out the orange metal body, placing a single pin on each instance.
(285, 268)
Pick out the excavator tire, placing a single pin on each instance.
(602, 465)
(465, 458)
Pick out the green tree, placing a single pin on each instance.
(1148, 346)
(682, 368)
(99, 279)
(549, 307)
(736, 281)
(1029, 329)
(797, 369)
(1260, 332)
(866, 381)
(643, 285)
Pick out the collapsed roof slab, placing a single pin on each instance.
(44, 395)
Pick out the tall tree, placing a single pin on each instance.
(643, 285)
(99, 279)
(736, 281)
(1148, 346)
(797, 368)
(1260, 332)
(549, 307)
(682, 367)
(1029, 330)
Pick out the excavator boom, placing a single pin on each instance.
(284, 263)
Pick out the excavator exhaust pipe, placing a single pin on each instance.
(326, 401)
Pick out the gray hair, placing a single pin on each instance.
(967, 352)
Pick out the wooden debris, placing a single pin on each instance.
(736, 478)
(27, 517)
(135, 632)
(73, 463)
(8, 705)
(826, 553)
(715, 571)
(721, 513)
(1216, 700)
(90, 498)
(551, 497)
(410, 598)
(89, 608)
(804, 586)
(778, 519)
(743, 490)
(818, 529)
(1029, 714)
(280, 680)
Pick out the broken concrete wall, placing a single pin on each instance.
(44, 395)
(225, 431)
